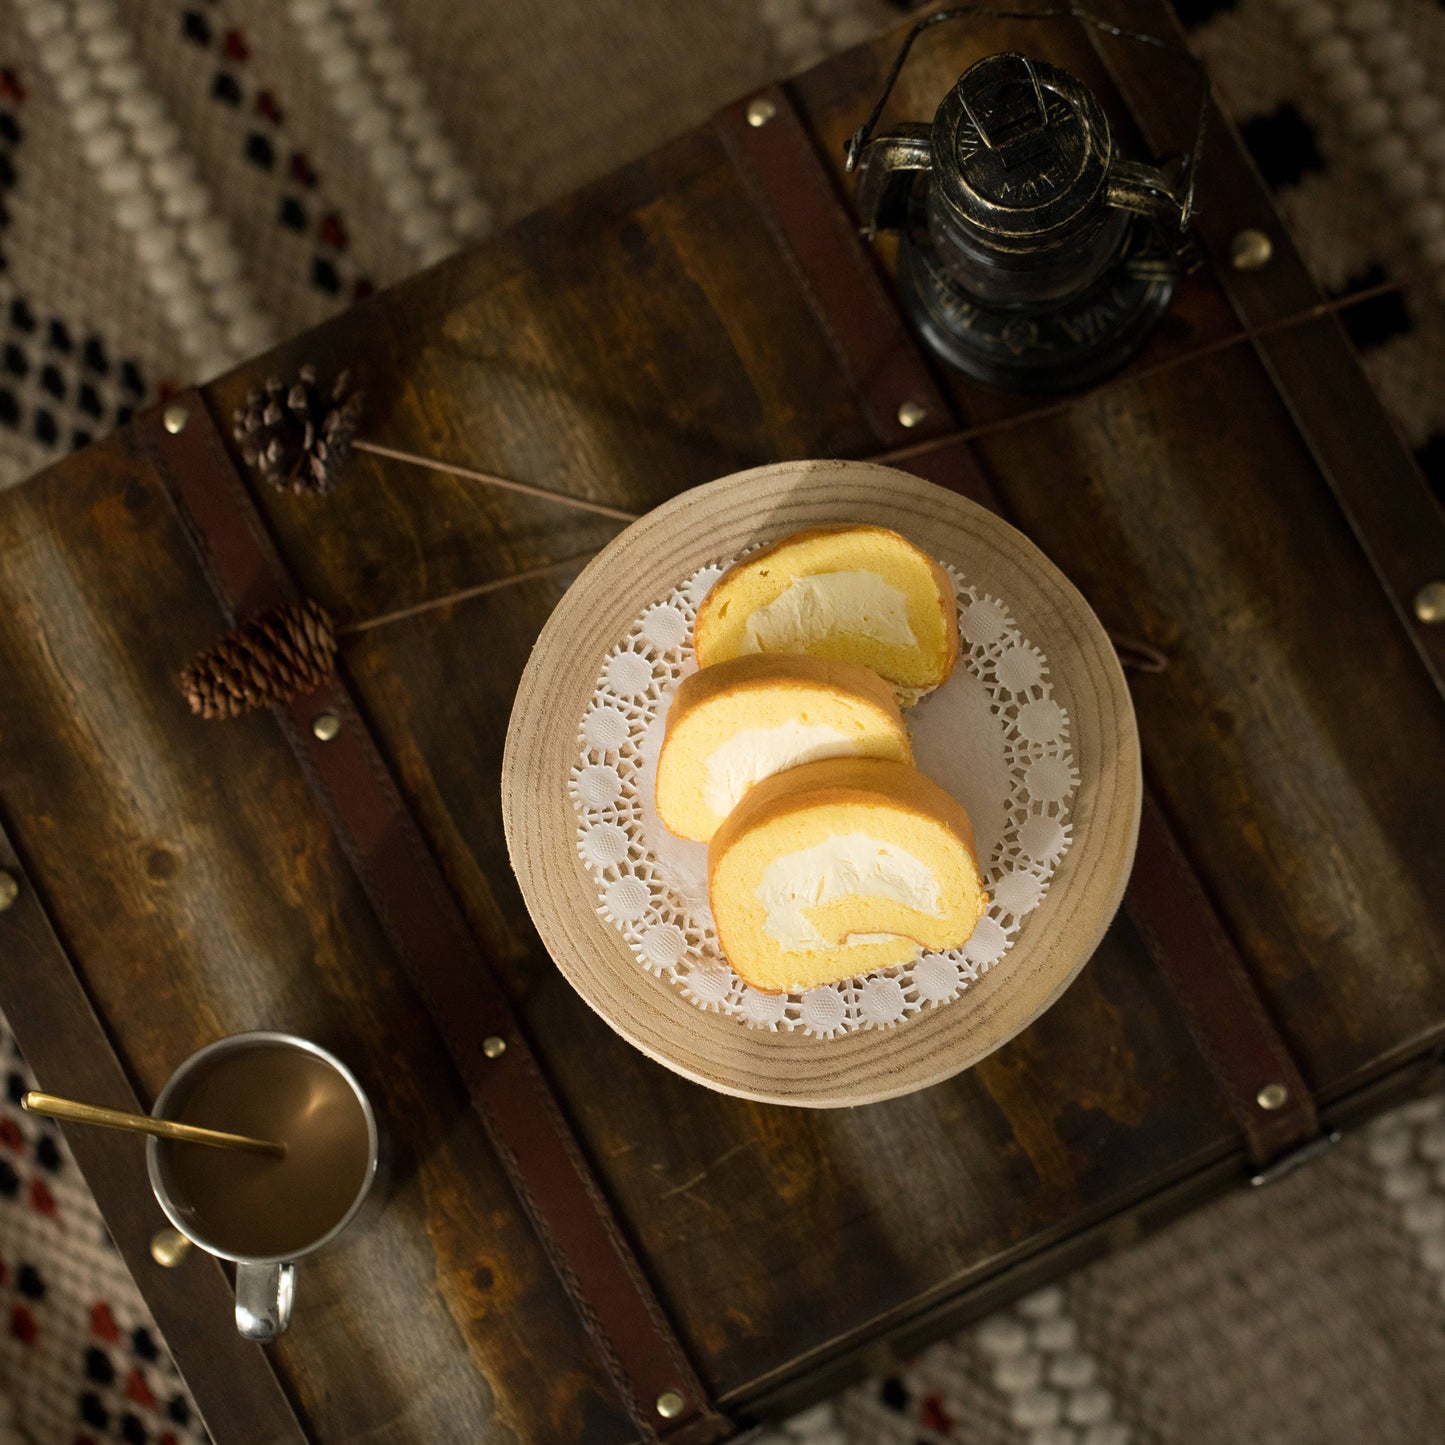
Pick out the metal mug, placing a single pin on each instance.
(265, 1285)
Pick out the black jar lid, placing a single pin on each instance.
(1021, 152)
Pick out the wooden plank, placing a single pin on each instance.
(1191, 514)
(897, 1340)
(642, 336)
(201, 893)
(1357, 446)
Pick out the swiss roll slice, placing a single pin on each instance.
(742, 720)
(854, 593)
(839, 867)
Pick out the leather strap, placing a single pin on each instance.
(1250, 1061)
(1244, 1050)
(468, 1005)
(777, 161)
(67, 1046)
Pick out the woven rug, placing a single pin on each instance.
(182, 184)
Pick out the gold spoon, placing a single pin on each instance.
(78, 1113)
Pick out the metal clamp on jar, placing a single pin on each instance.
(1032, 256)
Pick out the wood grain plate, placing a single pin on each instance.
(717, 521)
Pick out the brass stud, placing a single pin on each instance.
(1250, 249)
(9, 889)
(760, 112)
(175, 417)
(1430, 603)
(169, 1247)
(326, 725)
(670, 1404)
(910, 413)
(1272, 1096)
(494, 1047)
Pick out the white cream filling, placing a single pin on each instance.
(839, 868)
(753, 754)
(812, 608)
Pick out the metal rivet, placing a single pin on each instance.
(326, 726)
(1250, 250)
(169, 1247)
(494, 1047)
(1430, 602)
(9, 889)
(911, 413)
(1272, 1096)
(760, 112)
(175, 417)
(670, 1404)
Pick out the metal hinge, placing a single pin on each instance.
(1288, 1163)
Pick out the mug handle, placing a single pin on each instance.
(264, 1296)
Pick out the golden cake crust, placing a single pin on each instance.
(839, 781)
(777, 670)
(705, 623)
(843, 780)
(772, 672)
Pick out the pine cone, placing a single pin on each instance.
(295, 437)
(270, 658)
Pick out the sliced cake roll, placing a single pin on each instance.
(859, 594)
(745, 719)
(836, 868)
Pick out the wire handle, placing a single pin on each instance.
(1189, 165)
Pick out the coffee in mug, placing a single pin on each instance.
(263, 1212)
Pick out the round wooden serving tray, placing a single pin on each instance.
(715, 522)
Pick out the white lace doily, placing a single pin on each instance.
(992, 735)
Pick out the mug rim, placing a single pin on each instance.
(226, 1043)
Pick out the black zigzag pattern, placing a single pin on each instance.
(59, 383)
